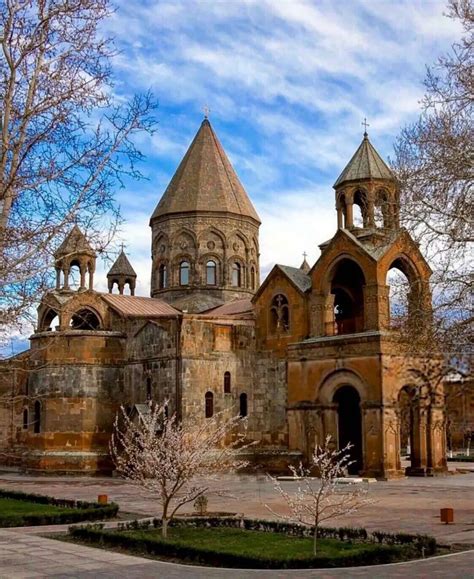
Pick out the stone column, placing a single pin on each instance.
(58, 278)
(372, 433)
(437, 440)
(316, 317)
(329, 320)
(418, 441)
(349, 215)
(66, 277)
(82, 270)
(340, 218)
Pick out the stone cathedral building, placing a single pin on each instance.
(307, 353)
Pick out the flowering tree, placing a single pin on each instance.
(167, 457)
(67, 139)
(319, 499)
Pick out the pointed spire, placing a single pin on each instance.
(75, 242)
(122, 273)
(122, 266)
(305, 267)
(205, 181)
(366, 163)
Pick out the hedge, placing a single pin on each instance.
(155, 546)
(389, 547)
(78, 510)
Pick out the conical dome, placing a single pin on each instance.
(74, 243)
(305, 267)
(205, 181)
(366, 163)
(122, 273)
(122, 267)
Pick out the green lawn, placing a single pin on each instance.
(14, 507)
(253, 543)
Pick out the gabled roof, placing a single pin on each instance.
(366, 163)
(75, 242)
(139, 307)
(122, 267)
(299, 279)
(205, 181)
(236, 308)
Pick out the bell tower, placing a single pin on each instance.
(369, 307)
(368, 185)
(75, 250)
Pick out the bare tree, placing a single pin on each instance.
(320, 499)
(434, 161)
(66, 144)
(173, 460)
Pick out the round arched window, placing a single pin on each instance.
(211, 270)
(236, 274)
(184, 273)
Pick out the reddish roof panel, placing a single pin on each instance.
(139, 307)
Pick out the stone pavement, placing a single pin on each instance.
(30, 556)
(408, 505)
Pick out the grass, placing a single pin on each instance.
(253, 543)
(13, 507)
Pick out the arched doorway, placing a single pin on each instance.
(347, 287)
(349, 425)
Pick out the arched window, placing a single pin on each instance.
(252, 278)
(243, 409)
(347, 287)
(50, 321)
(211, 272)
(360, 209)
(163, 276)
(279, 314)
(184, 273)
(226, 382)
(209, 407)
(236, 274)
(407, 308)
(85, 320)
(74, 274)
(25, 418)
(37, 418)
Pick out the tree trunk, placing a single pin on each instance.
(164, 527)
(315, 539)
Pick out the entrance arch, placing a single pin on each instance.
(349, 425)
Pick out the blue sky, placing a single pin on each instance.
(288, 84)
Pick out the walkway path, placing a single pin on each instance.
(25, 555)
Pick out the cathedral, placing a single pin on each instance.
(309, 352)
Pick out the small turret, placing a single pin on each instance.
(305, 267)
(75, 250)
(122, 273)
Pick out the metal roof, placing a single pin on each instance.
(140, 307)
(235, 308)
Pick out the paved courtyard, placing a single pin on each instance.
(408, 504)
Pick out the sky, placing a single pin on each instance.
(288, 84)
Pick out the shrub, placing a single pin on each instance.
(391, 546)
(157, 546)
(76, 512)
